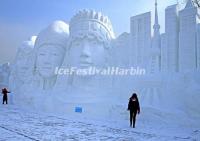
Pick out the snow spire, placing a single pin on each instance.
(189, 4)
(156, 26)
(156, 44)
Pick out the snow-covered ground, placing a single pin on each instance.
(23, 125)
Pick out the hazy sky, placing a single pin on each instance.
(19, 19)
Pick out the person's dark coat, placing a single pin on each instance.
(5, 95)
(134, 105)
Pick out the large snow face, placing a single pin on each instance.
(90, 36)
(23, 69)
(24, 63)
(50, 48)
(48, 58)
(87, 52)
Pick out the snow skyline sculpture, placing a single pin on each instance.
(89, 40)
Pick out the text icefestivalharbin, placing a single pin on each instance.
(96, 71)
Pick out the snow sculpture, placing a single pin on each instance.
(172, 31)
(50, 50)
(156, 44)
(22, 68)
(188, 19)
(121, 52)
(89, 46)
(140, 39)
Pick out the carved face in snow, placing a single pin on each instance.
(24, 66)
(87, 52)
(48, 58)
(24, 61)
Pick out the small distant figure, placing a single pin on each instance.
(134, 108)
(5, 95)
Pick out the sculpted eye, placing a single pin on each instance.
(55, 54)
(77, 44)
(94, 42)
(42, 54)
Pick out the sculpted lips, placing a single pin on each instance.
(85, 63)
(24, 68)
(46, 67)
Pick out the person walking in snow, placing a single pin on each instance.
(5, 95)
(134, 108)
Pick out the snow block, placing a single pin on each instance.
(78, 109)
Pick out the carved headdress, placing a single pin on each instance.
(55, 33)
(91, 24)
(26, 48)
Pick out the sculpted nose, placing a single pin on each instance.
(48, 59)
(85, 51)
